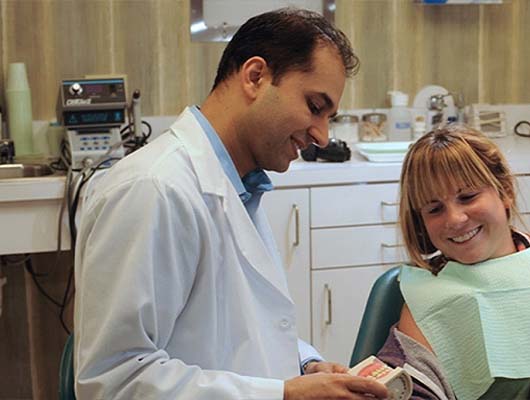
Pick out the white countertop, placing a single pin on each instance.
(30, 207)
(358, 170)
(301, 173)
(32, 189)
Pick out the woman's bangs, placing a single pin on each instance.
(444, 171)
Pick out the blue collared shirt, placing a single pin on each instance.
(249, 188)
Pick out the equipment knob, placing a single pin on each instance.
(75, 89)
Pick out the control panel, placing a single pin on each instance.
(92, 110)
(89, 102)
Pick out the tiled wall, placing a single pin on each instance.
(480, 51)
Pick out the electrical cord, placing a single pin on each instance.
(73, 189)
(34, 275)
(71, 198)
(132, 142)
(28, 266)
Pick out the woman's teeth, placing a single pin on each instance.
(466, 236)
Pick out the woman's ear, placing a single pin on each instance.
(253, 74)
(508, 204)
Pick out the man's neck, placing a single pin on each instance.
(223, 115)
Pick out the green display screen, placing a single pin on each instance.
(94, 117)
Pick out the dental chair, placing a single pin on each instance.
(382, 310)
(66, 371)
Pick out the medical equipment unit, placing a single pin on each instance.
(92, 111)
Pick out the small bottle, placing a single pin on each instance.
(419, 127)
(345, 127)
(55, 135)
(373, 128)
(399, 118)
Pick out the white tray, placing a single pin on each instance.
(384, 151)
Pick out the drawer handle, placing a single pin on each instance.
(391, 246)
(296, 225)
(389, 204)
(327, 290)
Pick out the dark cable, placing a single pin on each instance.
(29, 267)
(73, 202)
(66, 299)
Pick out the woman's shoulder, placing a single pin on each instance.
(408, 326)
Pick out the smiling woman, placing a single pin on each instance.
(469, 267)
(450, 167)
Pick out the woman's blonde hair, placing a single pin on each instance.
(451, 157)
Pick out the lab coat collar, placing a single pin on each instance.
(213, 180)
(205, 163)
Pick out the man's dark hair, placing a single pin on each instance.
(285, 39)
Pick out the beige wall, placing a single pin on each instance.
(481, 51)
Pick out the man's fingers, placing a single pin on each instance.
(340, 368)
(366, 385)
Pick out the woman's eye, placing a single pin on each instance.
(467, 196)
(432, 209)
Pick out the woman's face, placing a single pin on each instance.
(469, 225)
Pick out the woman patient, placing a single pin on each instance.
(464, 330)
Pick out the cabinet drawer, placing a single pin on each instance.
(339, 298)
(354, 205)
(362, 245)
(523, 195)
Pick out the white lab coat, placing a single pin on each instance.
(177, 295)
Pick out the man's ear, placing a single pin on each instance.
(253, 74)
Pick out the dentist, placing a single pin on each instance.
(180, 289)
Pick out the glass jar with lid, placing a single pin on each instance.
(345, 127)
(373, 127)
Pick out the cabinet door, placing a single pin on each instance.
(339, 297)
(359, 245)
(288, 213)
(354, 205)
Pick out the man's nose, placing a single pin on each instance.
(319, 132)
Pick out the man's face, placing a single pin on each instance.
(294, 113)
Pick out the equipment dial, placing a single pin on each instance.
(75, 89)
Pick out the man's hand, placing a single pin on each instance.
(321, 386)
(324, 366)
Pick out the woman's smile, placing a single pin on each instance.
(466, 236)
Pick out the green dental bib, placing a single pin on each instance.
(476, 318)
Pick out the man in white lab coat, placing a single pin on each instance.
(180, 290)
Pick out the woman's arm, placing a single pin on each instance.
(408, 326)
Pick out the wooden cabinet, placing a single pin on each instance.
(357, 204)
(357, 245)
(335, 240)
(354, 239)
(339, 238)
(339, 298)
